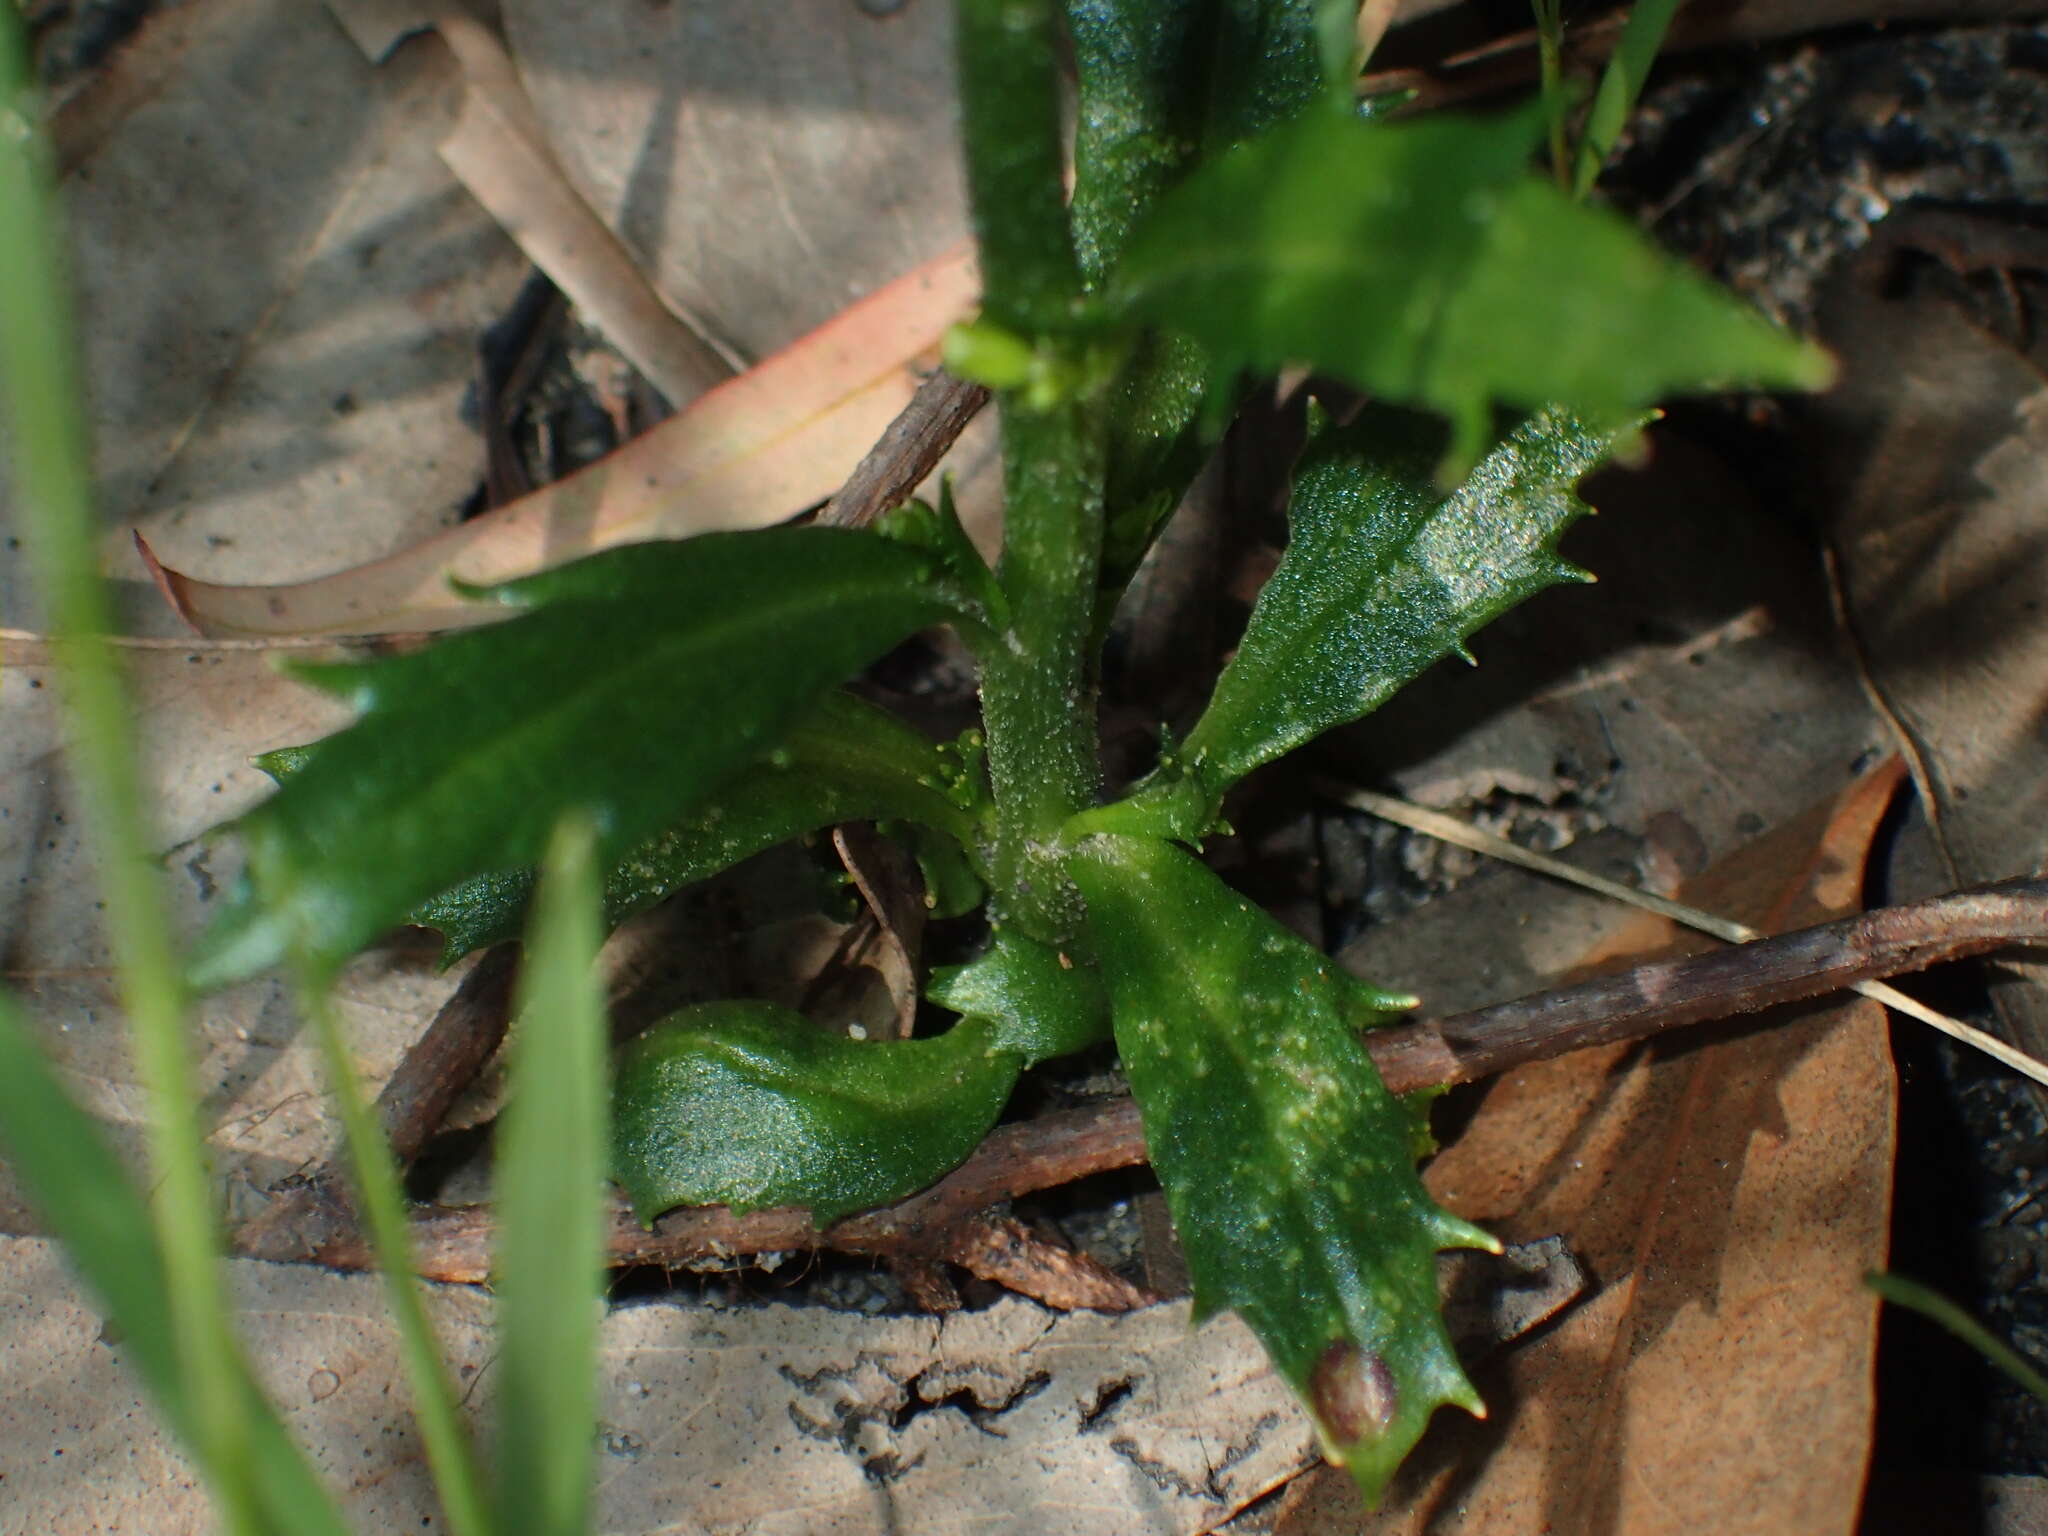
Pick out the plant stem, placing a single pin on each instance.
(1037, 687)
(1036, 677)
(52, 472)
(1550, 62)
(1009, 92)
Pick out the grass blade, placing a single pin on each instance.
(1620, 86)
(1937, 1308)
(94, 1210)
(381, 1202)
(551, 1164)
(44, 418)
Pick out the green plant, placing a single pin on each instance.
(1232, 212)
(1945, 1314)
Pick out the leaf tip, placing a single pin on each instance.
(1456, 1232)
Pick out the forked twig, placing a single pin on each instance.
(455, 1244)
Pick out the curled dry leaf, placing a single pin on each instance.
(757, 449)
(500, 151)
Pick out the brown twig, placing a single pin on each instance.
(913, 444)
(454, 1244)
(1648, 999)
(446, 1059)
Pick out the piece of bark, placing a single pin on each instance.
(1004, 1250)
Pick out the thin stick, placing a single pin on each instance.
(1055, 1149)
(908, 451)
(446, 1059)
(1451, 830)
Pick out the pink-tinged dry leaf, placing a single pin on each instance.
(758, 449)
(280, 288)
(1726, 1195)
(498, 148)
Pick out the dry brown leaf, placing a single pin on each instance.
(756, 450)
(1726, 1196)
(281, 287)
(887, 877)
(500, 151)
(1940, 432)
(765, 164)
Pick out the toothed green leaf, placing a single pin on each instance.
(845, 760)
(645, 678)
(1423, 262)
(750, 1105)
(1161, 83)
(1384, 574)
(1288, 1166)
(1039, 1004)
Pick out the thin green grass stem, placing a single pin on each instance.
(1620, 85)
(380, 1204)
(1938, 1309)
(52, 470)
(551, 1158)
(1550, 64)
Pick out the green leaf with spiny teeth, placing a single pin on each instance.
(1288, 1166)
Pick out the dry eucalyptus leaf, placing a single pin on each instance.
(767, 165)
(500, 151)
(756, 450)
(1941, 434)
(280, 289)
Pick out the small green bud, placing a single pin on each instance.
(986, 353)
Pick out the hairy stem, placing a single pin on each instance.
(1009, 92)
(1036, 680)
(1037, 684)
